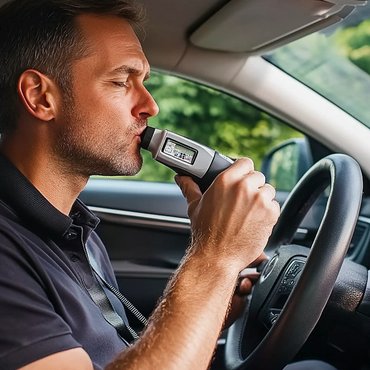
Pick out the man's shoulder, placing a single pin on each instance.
(12, 232)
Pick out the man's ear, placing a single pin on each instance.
(39, 94)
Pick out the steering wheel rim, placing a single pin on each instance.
(306, 302)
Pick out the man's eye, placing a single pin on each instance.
(120, 84)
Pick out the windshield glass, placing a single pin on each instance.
(334, 62)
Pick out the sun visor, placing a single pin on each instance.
(259, 25)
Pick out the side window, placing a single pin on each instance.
(227, 124)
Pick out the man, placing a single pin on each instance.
(73, 103)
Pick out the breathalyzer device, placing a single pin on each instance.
(185, 156)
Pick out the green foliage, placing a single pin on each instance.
(354, 43)
(210, 117)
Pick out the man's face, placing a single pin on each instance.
(98, 131)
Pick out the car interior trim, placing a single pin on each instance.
(142, 219)
(271, 22)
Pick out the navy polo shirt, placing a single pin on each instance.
(45, 276)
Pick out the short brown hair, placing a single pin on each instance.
(43, 35)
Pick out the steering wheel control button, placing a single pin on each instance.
(283, 289)
(294, 269)
(290, 277)
(272, 316)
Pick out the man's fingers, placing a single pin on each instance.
(188, 187)
(255, 179)
(268, 190)
(243, 164)
(240, 167)
(244, 287)
(190, 190)
(248, 278)
(259, 260)
(245, 284)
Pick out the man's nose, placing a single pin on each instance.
(147, 107)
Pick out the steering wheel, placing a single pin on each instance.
(296, 283)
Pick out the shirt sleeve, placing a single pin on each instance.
(30, 329)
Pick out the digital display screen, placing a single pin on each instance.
(178, 151)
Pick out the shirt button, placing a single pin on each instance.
(75, 258)
(76, 216)
(71, 235)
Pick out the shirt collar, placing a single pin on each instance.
(33, 209)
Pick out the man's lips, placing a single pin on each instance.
(140, 133)
(142, 130)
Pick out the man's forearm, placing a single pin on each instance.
(184, 329)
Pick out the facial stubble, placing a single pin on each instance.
(103, 154)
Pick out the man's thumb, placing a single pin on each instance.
(189, 188)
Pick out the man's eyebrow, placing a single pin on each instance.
(125, 69)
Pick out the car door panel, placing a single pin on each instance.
(136, 196)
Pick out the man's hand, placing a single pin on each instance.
(243, 289)
(232, 221)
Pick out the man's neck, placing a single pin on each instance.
(59, 185)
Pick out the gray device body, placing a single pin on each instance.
(185, 156)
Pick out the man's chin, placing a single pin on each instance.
(130, 168)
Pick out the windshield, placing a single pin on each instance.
(334, 62)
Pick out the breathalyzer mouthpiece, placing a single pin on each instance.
(146, 136)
